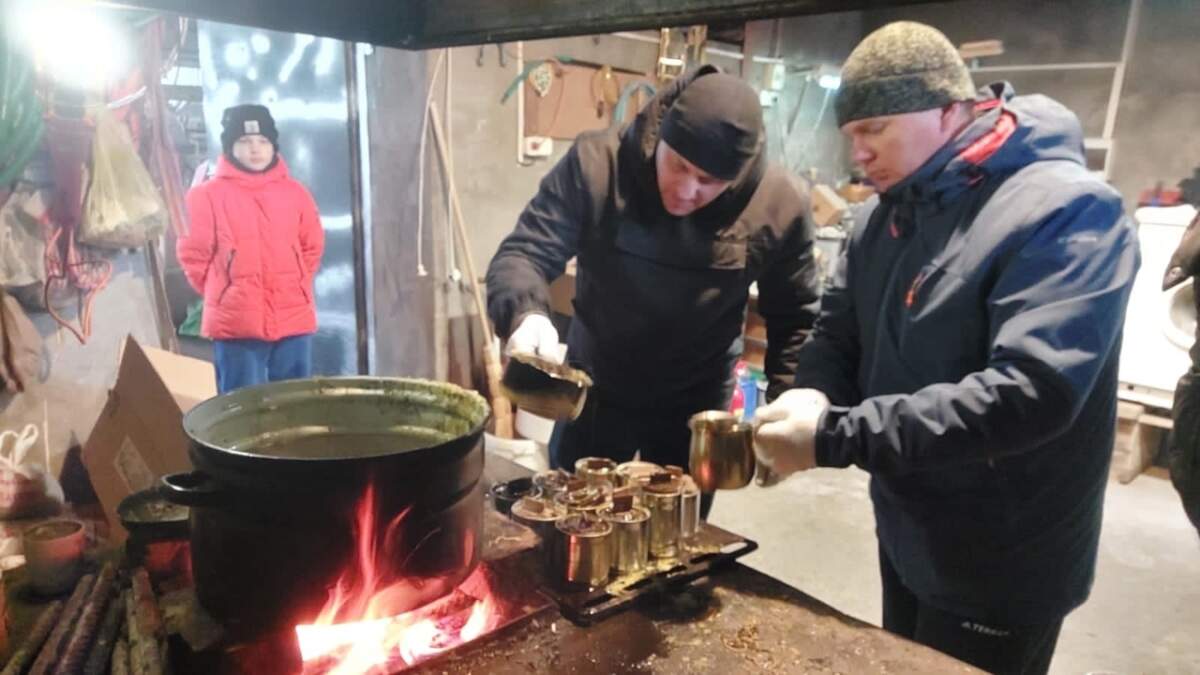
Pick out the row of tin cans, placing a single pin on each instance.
(609, 520)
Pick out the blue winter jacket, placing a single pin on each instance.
(969, 346)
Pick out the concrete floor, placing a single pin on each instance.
(816, 532)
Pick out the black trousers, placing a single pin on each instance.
(606, 430)
(1020, 650)
(1183, 450)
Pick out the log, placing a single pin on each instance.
(145, 657)
(149, 617)
(120, 658)
(76, 652)
(101, 652)
(29, 649)
(62, 630)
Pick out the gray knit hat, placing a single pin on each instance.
(901, 68)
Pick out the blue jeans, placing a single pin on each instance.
(242, 363)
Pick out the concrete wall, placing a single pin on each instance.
(1158, 125)
(493, 187)
(1155, 138)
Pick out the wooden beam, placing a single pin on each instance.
(427, 24)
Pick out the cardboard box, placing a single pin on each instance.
(856, 192)
(139, 436)
(827, 206)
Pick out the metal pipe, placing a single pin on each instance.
(452, 270)
(712, 51)
(1114, 94)
(358, 231)
(1083, 65)
(361, 52)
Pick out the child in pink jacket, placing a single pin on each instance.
(252, 251)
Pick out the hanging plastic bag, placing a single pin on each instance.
(20, 346)
(26, 487)
(123, 208)
(22, 243)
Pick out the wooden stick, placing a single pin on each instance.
(149, 618)
(89, 620)
(30, 648)
(501, 407)
(141, 617)
(100, 656)
(66, 622)
(120, 658)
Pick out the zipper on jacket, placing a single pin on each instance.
(228, 276)
(911, 297)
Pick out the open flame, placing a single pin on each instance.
(358, 630)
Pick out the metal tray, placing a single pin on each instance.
(712, 548)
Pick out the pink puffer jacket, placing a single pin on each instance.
(252, 251)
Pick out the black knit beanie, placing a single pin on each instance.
(716, 124)
(901, 68)
(244, 120)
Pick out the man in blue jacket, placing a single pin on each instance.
(966, 353)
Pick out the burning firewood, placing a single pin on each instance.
(66, 622)
(89, 620)
(120, 657)
(46, 622)
(145, 625)
(147, 648)
(148, 615)
(99, 657)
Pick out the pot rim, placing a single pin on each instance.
(197, 420)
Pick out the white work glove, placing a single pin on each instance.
(785, 432)
(536, 335)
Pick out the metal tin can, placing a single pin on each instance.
(582, 551)
(689, 510)
(597, 470)
(636, 473)
(581, 497)
(631, 537)
(504, 495)
(662, 498)
(552, 482)
(538, 514)
(3, 615)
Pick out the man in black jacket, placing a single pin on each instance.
(671, 218)
(1183, 450)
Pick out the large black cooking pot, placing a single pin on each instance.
(281, 469)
